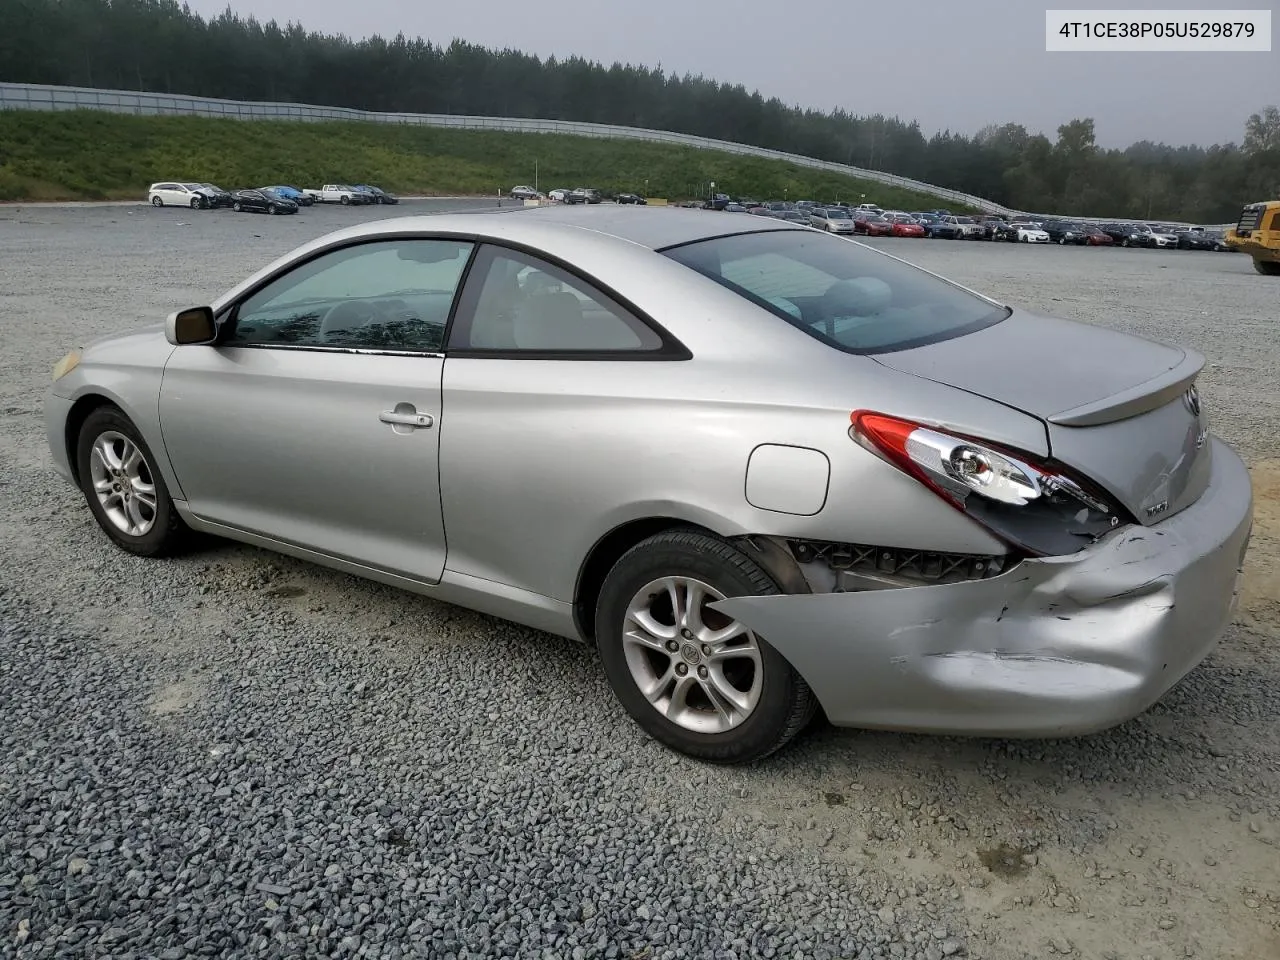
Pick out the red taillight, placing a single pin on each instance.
(887, 437)
(1003, 489)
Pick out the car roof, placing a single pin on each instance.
(654, 227)
(574, 230)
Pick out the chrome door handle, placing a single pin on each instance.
(419, 420)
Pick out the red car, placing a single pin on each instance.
(1096, 238)
(872, 224)
(906, 227)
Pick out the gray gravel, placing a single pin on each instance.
(239, 754)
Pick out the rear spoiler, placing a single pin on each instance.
(1146, 396)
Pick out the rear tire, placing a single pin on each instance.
(734, 700)
(125, 492)
(1267, 268)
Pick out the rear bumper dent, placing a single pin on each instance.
(1055, 646)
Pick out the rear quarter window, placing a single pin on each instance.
(847, 295)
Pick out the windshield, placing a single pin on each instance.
(964, 220)
(838, 214)
(846, 295)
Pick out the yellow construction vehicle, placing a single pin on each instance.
(1258, 234)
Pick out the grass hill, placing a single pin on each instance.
(92, 155)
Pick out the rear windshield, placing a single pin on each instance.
(844, 294)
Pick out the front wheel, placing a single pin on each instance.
(237, 206)
(126, 493)
(157, 202)
(346, 200)
(693, 678)
(271, 209)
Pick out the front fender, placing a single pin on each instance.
(135, 389)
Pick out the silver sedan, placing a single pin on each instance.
(763, 470)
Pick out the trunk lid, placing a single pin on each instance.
(1116, 408)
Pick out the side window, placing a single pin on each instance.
(520, 303)
(384, 295)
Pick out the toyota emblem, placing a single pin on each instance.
(1192, 399)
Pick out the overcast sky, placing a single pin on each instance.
(950, 64)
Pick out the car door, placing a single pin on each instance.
(540, 363)
(313, 420)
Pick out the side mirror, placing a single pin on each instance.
(192, 326)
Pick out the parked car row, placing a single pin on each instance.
(565, 195)
(576, 195)
(347, 195)
(871, 220)
(278, 198)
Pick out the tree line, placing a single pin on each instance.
(162, 46)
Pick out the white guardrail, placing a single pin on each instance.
(37, 96)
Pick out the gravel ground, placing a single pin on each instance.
(239, 754)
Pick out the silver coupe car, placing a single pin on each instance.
(762, 469)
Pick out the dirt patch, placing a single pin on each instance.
(1007, 861)
(287, 592)
(174, 698)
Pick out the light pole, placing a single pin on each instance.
(535, 174)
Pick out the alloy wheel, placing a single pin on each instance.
(700, 669)
(123, 483)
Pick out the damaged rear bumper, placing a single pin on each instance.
(1055, 646)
